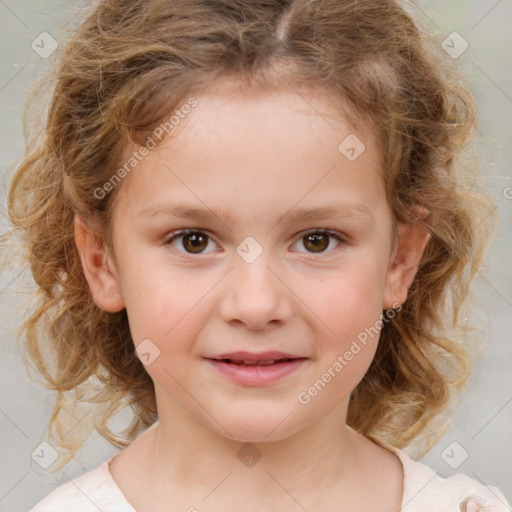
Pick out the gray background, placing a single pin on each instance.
(482, 424)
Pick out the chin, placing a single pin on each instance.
(255, 427)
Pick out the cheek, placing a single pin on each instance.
(353, 301)
(165, 305)
(352, 307)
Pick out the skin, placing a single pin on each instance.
(258, 157)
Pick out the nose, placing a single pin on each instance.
(255, 295)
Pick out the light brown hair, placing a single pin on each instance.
(129, 65)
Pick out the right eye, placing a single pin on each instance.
(193, 241)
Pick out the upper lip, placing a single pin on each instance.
(255, 356)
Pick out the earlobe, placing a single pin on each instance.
(98, 268)
(411, 244)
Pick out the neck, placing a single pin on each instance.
(202, 464)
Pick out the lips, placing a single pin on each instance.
(257, 369)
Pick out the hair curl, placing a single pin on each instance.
(129, 64)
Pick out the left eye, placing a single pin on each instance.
(194, 242)
(318, 241)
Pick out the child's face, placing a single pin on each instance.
(256, 160)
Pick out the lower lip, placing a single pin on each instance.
(254, 375)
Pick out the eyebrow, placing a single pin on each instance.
(347, 210)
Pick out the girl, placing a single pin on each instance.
(247, 222)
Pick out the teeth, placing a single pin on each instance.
(260, 363)
(265, 363)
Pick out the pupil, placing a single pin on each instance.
(195, 240)
(318, 241)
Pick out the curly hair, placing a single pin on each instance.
(125, 69)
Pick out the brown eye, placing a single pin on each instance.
(194, 242)
(318, 241)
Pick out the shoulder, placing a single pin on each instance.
(94, 490)
(424, 488)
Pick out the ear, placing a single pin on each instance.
(98, 268)
(405, 260)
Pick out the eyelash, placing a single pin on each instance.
(338, 236)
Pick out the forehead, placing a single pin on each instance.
(303, 103)
(239, 147)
